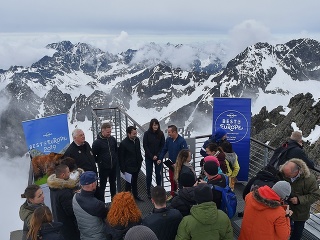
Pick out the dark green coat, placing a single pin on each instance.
(206, 222)
(306, 189)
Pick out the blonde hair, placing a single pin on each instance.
(181, 159)
(40, 215)
(296, 136)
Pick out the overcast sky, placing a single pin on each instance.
(117, 25)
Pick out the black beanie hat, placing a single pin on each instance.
(203, 193)
(187, 179)
(211, 168)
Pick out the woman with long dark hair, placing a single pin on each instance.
(153, 142)
(42, 227)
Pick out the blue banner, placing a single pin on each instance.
(49, 134)
(234, 115)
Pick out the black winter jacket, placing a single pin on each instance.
(50, 231)
(130, 157)
(82, 155)
(152, 144)
(184, 200)
(163, 222)
(61, 194)
(106, 151)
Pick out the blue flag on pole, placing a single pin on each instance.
(234, 116)
(49, 134)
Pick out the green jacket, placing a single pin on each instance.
(205, 222)
(306, 189)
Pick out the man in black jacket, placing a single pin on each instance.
(61, 193)
(293, 148)
(104, 149)
(130, 159)
(163, 221)
(81, 151)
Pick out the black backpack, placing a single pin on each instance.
(279, 156)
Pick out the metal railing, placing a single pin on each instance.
(260, 154)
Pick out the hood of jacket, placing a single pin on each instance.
(206, 213)
(231, 157)
(264, 198)
(187, 193)
(58, 183)
(50, 227)
(304, 170)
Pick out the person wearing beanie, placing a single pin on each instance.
(212, 177)
(205, 220)
(184, 199)
(163, 221)
(89, 211)
(265, 215)
(140, 232)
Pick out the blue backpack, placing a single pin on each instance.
(228, 199)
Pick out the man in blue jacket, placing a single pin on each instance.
(173, 145)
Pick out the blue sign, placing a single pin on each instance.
(234, 115)
(49, 134)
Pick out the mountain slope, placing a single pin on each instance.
(149, 83)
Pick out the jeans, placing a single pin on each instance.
(297, 229)
(149, 170)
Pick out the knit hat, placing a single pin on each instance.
(212, 159)
(219, 134)
(140, 232)
(282, 188)
(211, 168)
(187, 179)
(88, 177)
(203, 193)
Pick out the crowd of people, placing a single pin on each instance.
(275, 209)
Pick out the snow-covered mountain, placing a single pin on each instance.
(175, 83)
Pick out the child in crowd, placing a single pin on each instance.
(231, 162)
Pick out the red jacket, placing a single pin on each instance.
(264, 216)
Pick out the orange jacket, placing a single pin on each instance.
(264, 216)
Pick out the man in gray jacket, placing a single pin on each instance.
(89, 211)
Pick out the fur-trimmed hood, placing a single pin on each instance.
(72, 182)
(304, 170)
(267, 197)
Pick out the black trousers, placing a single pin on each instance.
(104, 175)
(133, 185)
(296, 230)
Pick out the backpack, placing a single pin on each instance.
(228, 199)
(279, 156)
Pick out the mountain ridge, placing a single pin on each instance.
(79, 76)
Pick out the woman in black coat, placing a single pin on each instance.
(153, 142)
